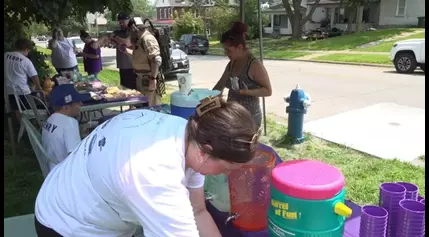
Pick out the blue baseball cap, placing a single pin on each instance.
(66, 94)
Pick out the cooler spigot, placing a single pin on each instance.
(208, 196)
(342, 210)
(231, 217)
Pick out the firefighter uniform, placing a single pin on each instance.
(144, 53)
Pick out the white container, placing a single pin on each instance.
(185, 82)
(216, 186)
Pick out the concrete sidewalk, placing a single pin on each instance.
(20, 226)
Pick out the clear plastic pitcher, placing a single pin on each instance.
(249, 188)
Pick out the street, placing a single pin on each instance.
(333, 88)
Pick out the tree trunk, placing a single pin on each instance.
(296, 26)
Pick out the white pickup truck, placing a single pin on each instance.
(408, 54)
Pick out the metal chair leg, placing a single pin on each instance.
(21, 132)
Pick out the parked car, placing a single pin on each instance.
(192, 43)
(179, 60)
(406, 55)
(78, 43)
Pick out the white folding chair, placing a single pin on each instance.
(36, 143)
(31, 112)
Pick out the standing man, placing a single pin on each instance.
(123, 60)
(146, 60)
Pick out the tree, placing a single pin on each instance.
(186, 24)
(142, 8)
(296, 17)
(73, 26)
(55, 12)
(222, 16)
(221, 19)
(38, 29)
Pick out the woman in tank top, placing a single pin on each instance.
(91, 54)
(244, 76)
(63, 52)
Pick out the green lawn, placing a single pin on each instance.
(387, 46)
(356, 58)
(363, 172)
(336, 43)
(268, 54)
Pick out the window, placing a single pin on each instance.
(280, 21)
(165, 14)
(169, 13)
(400, 7)
(159, 14)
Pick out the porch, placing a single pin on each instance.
(330, 14)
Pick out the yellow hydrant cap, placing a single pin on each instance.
(343, 210)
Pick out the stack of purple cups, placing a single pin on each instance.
(411, 219)
(390, 196)
(373, 222)
(411, 190)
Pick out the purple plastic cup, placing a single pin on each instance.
(412, 190)
(411, 218)
(390, 196)
(373, 221)
(419, 198)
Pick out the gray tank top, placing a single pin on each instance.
(251, 103)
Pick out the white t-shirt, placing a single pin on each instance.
(129, 172)
(63, 55)
(60, 136)
(17, 70)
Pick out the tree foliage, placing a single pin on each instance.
(223, 15)
(55, 12)
(143, 8)
(186, 23)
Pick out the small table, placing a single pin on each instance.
(86, 108)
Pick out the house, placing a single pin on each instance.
(380, 13)
(166, 8)
(96, 22)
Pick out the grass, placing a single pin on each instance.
(387, 45)
(355, 58)
(268, 54)
(363, 172)
(350, 41)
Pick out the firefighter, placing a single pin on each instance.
(146, 60)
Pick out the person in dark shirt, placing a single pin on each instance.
(123, 61)
(91, 53)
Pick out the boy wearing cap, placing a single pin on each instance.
(60, 134)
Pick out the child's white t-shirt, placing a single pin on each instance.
(60, 136)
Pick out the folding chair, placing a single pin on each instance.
(36, 143)
(31, 112)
